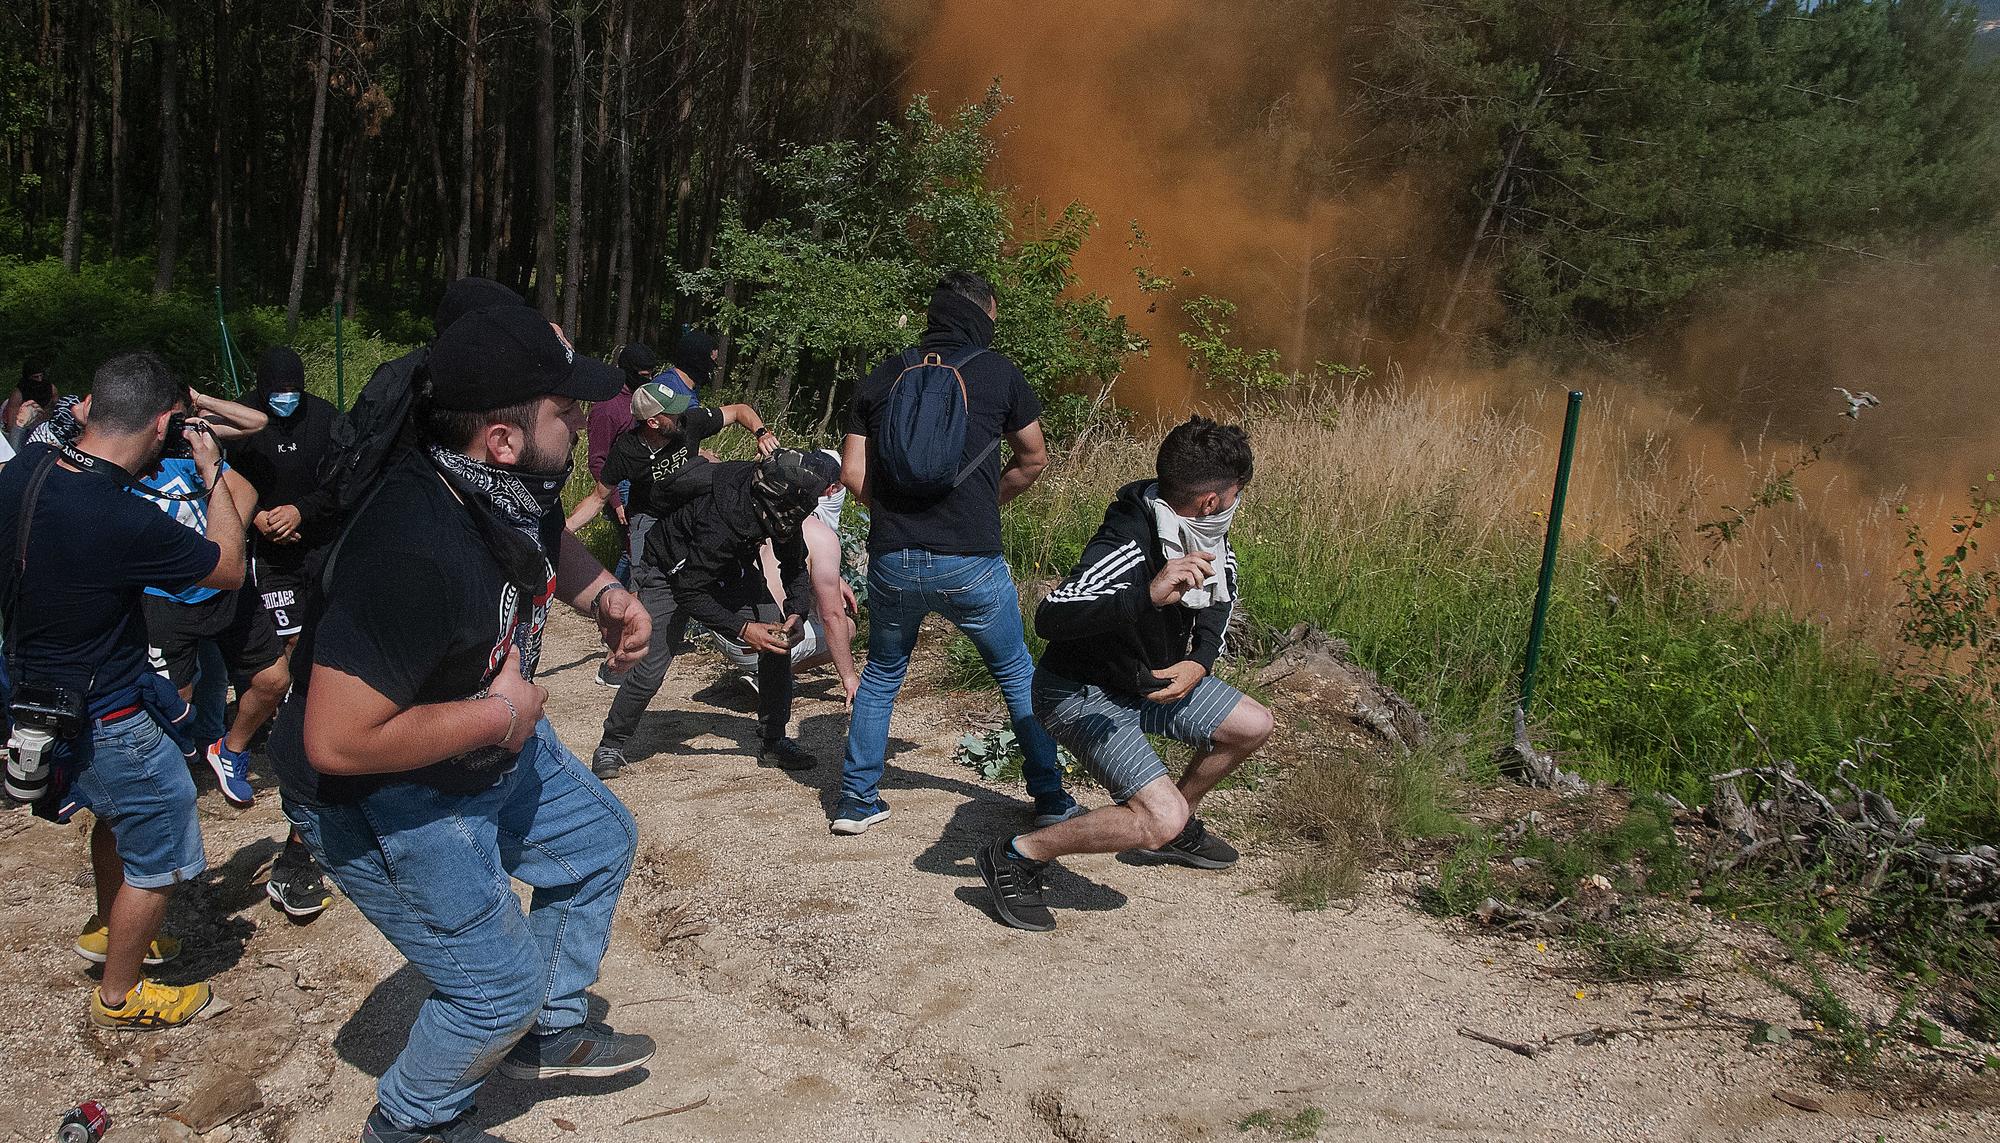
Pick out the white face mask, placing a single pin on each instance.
(1180, 535)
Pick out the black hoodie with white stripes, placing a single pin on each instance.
(1101, 624)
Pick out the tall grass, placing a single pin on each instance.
(1410, 523)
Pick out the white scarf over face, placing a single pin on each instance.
(1180, 535)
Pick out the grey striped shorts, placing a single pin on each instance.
(1108, 731)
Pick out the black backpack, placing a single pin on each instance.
(367, 435)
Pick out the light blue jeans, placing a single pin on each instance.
(432, 870)
(977, 594)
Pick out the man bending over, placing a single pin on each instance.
(1133, 634)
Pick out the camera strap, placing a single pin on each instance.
(103, 467)
(29, 497)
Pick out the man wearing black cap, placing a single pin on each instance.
(714, 519)
(413, 755)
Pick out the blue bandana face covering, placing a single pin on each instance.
(285, 404)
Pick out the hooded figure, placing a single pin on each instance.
(694, 356)
(282, 462)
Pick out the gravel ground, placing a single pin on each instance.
(805, 987)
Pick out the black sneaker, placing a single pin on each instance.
(378, 1130)
(296, 885)
(589, 1049)
(607, 762)
(1197, 847)
(1017, 887)
(785, 754)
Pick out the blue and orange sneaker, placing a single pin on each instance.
(232, 773)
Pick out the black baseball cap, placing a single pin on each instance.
(470, 295)
(508, 355)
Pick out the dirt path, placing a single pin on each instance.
(806, 987)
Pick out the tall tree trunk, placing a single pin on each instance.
(1493, 196)
(468, 171)
(72, 248)
(222, 199)
(119, 38)
(621, 323)
(170, 157)
(544, 158)
(572, 284)
(309, 197)
(496, 200)
(737, 165)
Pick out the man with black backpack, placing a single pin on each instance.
(923, 452)
(413, 756)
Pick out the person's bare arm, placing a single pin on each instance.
(241, 492)
(225, 523)
(747, 419)
(351, 728)
(830, 601)
(1031, 456)
(231, 420)
(587, 508)
(622, 621)
(854, 468)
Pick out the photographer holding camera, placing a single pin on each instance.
(83, 551)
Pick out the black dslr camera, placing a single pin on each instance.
(177, 444)
(42, 715)
(58, 710)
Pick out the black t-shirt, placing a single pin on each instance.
(94, 550)
(966, 520)
(650, 471)
(419, 610)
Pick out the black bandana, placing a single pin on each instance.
(514, 512)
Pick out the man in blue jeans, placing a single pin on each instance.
(413, 756)
(942, 553)
(75, 624)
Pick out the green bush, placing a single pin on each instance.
(73, 322)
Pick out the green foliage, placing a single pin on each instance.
(73, 322)
(996, 755)
(841, 278)
(1305, 1124)
(1664, 144)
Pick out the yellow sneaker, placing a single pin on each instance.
(150, 1006)
(95, 941)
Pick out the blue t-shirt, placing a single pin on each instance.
(181, 476)
(93, 551)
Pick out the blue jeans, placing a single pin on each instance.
(137, 783)
(432, 871)
(977, 594)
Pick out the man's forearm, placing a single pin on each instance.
(838, 628)
(225, 524)
(413, 738)
(579, 577)
(1018, 477)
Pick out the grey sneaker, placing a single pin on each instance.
(589, 1049)
(606, 677)
(378, 1130)
(607, 762)
(1017, 887)
(1056, 810)
(1195, 846)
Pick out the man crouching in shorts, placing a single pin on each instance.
(1132, 635)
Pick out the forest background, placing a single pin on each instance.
(1389, 234)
